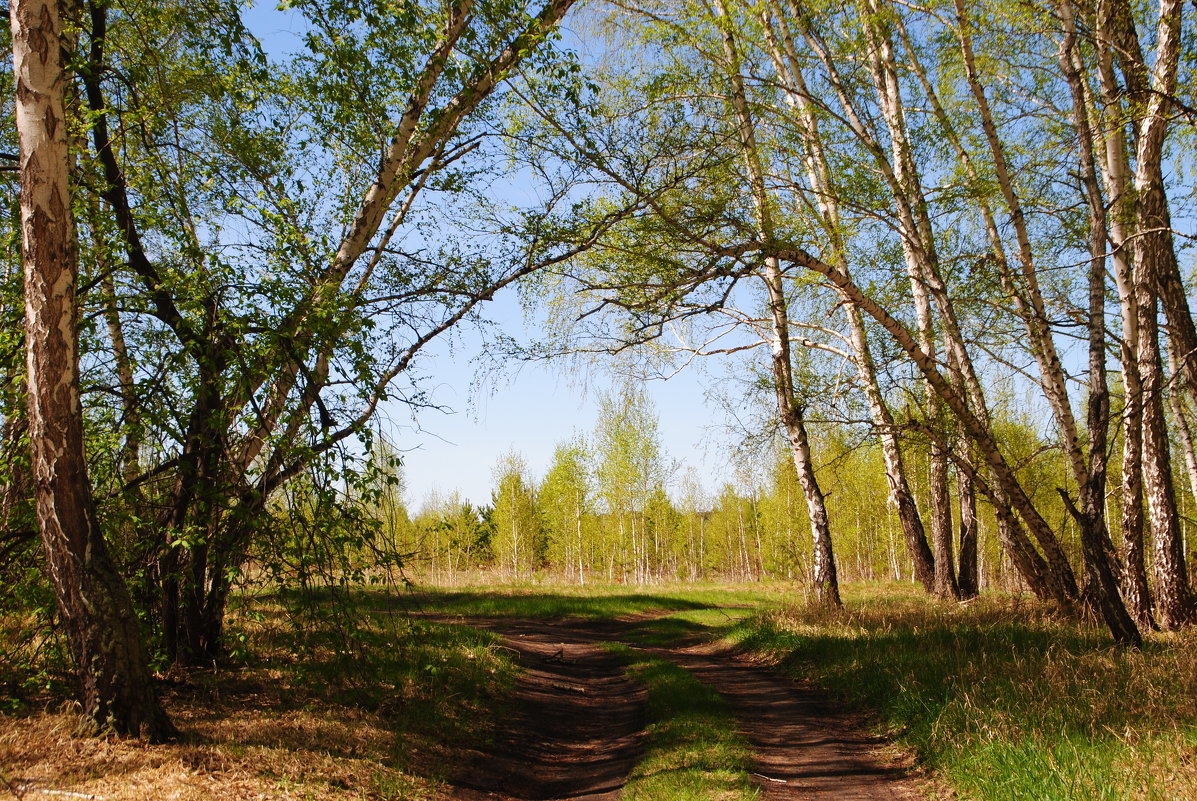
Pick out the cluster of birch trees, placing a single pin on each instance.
(932, 195)
(231, 258)
(614, 508)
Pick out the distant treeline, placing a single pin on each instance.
(609, 510)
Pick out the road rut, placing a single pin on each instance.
(577, 728)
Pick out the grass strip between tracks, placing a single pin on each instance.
(693, 751)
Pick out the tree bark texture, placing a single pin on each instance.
(789, 73)
(1116, 176)
(967, 575)
(94, 602)
(1096, 547)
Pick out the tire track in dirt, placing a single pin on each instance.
(578, 724)
(803, 746)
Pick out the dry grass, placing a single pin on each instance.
(311, 716)
(244, 740)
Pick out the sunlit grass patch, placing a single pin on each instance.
(693, 752)
(1003, 699)
(585, 602)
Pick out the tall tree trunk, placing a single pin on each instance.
(1116, 176)
(1097, 550)
(1174, 597)
(825, 580)
(1141, 202)
(789, 72)
(922, 267)
(1050, 575)
(1032, 567)
(96, 610)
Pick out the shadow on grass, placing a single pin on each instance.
(1006, 700)
(542, 605)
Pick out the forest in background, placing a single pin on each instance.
(613, 506)
(946, 250)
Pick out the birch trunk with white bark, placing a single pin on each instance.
(824, 578)
(789, 73)
(111, 660)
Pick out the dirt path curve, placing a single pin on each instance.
(577, 728)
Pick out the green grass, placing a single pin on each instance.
(998, 698)
(1003, 700)
(692, 751)
(438, 684)
(589, 602)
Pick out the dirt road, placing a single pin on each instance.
(578, 724)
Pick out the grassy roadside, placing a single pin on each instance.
(1005, 702)
(365, 707)
(998, 698)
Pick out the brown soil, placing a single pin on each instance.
(578, 724)
(576, 727)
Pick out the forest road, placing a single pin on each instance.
(578, 721)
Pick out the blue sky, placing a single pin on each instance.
(530, 408)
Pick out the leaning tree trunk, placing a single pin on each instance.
(94, 602)
(825, 579)
(1097, 550)
(789, 72)
(922, 267)
(1053, 569)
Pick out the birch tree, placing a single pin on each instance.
(111, 660)
(258, 215)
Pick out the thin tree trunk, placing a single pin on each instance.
(968, 578)
(1031, 308)
(1120, 199)
(825, 580)
(789, 71)
(96, 610)
(1097, 550)
(922, 268)
(1050, 576)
